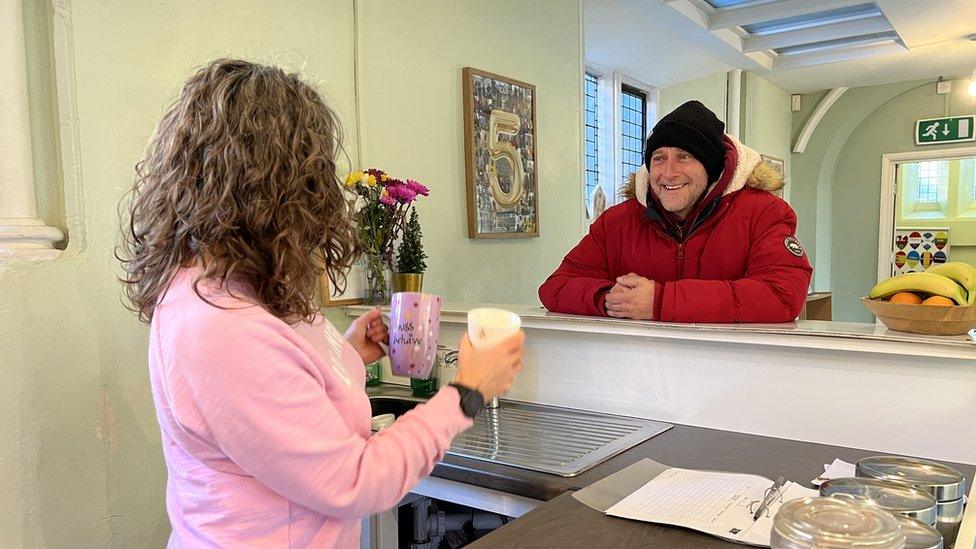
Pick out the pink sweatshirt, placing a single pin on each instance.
(266, 427)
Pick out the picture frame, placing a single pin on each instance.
(780, 165)
(354, 288)
(915, 249)
(500, 145)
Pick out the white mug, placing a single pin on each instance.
(488, 326)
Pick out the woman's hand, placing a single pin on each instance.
(491, 370)
(365, 333)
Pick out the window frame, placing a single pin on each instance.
(597, 143)
(641, 95)
(972, 194)
(941, 175)
(610, 84)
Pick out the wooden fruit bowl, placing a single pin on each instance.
(923, 319)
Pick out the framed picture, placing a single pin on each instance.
(500, 156)
(917, 249)
(354, 288)
(780, 165)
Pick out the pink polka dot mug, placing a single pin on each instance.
(414, 326)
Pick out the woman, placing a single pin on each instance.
(236, 212)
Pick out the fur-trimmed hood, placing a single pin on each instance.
(750, 171)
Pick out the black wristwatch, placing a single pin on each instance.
(472, 403)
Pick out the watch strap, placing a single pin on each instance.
(471, 400)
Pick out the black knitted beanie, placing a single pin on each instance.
(696, 129)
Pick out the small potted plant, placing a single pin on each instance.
(410, 258)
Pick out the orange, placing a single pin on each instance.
(906, 297)
(939, 301)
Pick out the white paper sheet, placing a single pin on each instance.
(838, 469)
(711, 502)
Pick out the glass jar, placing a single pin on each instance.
(945, 483)
(893, 497)
(918, 535)
(831, 523)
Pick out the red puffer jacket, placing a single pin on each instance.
(740, 261)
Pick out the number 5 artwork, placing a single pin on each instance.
(500, 156)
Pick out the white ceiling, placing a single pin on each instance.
(650, 40)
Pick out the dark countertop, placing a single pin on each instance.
(564, 522)
(682, 446)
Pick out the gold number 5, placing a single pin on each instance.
(503, 122)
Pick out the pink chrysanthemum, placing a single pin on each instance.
(401, 193)
(386, 198)
(417, 187)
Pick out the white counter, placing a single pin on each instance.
(848, 384)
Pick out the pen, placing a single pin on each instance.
(770, 497)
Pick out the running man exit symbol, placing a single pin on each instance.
(945, 130)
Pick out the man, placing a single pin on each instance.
(700, 238)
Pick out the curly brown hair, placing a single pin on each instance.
(240, 178)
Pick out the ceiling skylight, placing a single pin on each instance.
(808, 32)
(813, 19)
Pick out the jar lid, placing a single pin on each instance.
(832, 523)
(890, 496)
(383, 421)
(918, 535)
(942, 481)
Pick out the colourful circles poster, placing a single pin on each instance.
(916, 249)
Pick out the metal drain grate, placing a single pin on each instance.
(551, 440)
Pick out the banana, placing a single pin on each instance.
(963, 273)
(926, 282)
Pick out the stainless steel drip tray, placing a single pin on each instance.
(550, 439)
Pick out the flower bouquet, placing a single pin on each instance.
(381, 204)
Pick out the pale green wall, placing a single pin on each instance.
(803, 191)
(711, 90)
(413, 128)
(812, 171)
(767, 121)
(48, 182)
(844, 155)
(80, 458)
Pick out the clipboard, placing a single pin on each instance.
(650, 503)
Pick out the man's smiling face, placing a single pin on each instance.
(678, 179)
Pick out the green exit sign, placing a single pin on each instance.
(945, 130)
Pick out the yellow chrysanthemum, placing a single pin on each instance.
(384, 177)
(370, 180)
(353, 178)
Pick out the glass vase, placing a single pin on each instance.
(377, 273)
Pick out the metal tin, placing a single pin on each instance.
(891, 496)
(942, 481)
(834, 523)
(918, 535)
(382, 421)
(950, 517)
